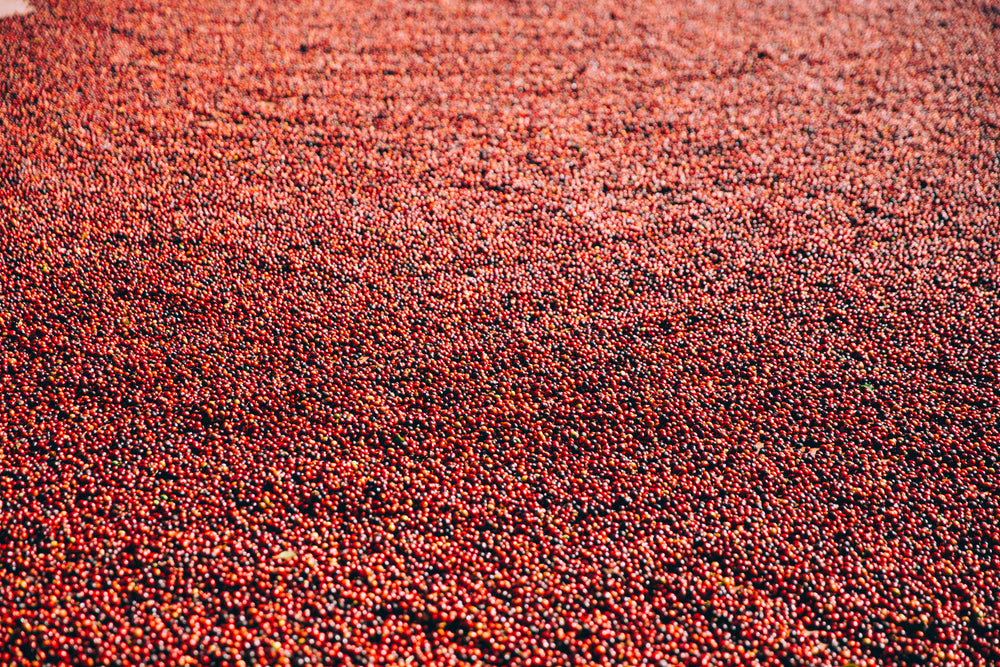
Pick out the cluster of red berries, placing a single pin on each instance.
(529, 333)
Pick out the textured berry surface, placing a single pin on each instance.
(500, 333)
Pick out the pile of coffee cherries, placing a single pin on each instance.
(500, 333)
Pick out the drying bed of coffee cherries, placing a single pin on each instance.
(501, 333)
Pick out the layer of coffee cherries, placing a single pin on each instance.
(527, 333)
